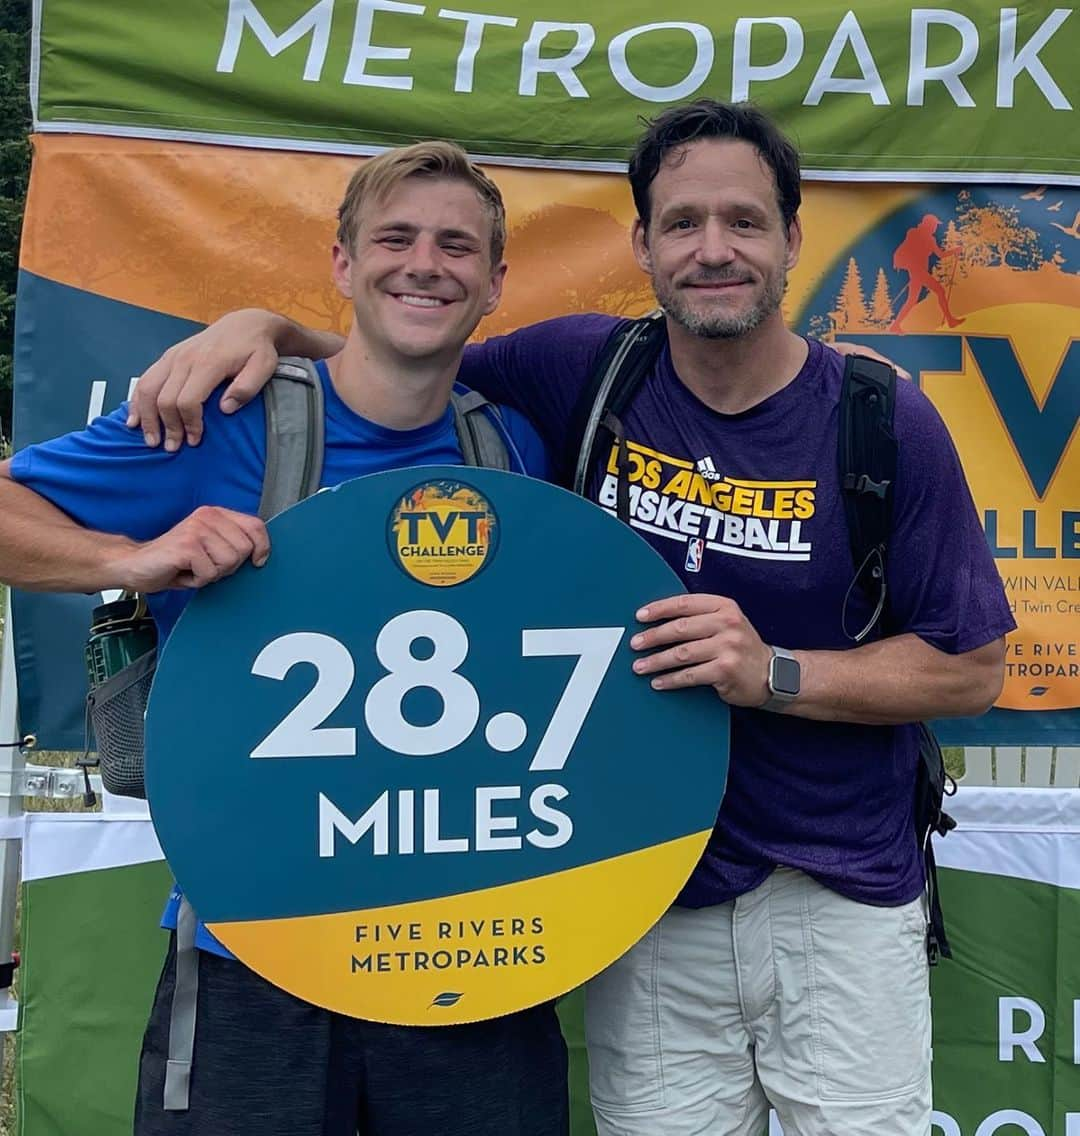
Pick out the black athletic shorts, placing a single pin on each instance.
(267, 1064)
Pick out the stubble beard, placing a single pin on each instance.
(720, 324)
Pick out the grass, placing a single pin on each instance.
(954, 760)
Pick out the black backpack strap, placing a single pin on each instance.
(295, 422)
(932, 785)
(867, 457)
(629, 353)
(482, 442)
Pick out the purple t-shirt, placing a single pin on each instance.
(748, 506)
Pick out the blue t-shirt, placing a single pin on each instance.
(748, 506)
(108, 480)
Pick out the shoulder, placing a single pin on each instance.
(565, 340)
(913, 413)
(526, 440)
(926, 446)
(590, 329)
(914, 410)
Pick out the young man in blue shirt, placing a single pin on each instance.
(419, 252)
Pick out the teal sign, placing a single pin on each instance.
(405, 770)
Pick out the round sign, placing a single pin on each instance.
(405, 770)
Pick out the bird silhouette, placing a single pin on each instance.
(1074, 230)
(1055, 208)
(1035, 194)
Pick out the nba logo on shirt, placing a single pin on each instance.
(695, 548)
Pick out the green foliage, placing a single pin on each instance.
(14, 174)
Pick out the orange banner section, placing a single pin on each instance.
(974, 289)
(197, 231)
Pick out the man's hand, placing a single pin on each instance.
(860, 349)
(240, 345)
(243, 346)
(708, 641)
(206, 546)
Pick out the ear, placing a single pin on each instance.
(640, 243)
(341, 270)
(794, 243)
(498, 278)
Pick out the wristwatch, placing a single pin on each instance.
(785, 679)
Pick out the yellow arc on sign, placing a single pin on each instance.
(313, 956)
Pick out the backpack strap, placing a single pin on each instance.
(295, 422)
(626, 358)
(932, 785)
(867, 456)
(177, 1090)
(482, 441)
(293, 401)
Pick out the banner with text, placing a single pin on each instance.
(973, 91)
(975, 289)
(1006, 1009)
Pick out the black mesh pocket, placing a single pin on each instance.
(116, 708)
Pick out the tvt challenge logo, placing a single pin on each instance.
(443, 532)
(976, 292)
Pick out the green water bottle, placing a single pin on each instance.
(120, 632)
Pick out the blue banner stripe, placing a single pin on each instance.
(67, 339)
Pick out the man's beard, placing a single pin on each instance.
(721, 324)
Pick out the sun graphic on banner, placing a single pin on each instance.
(946, 254)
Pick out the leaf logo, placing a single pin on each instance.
(447, 999)
(1038, 691)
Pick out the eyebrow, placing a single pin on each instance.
(411, 230)
(740, 207)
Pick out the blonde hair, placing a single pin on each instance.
(377, 177)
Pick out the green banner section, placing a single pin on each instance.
(91, 954)
(1007, 1008)
(1006, 1045)
(869, 90)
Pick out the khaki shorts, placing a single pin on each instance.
(790, 996)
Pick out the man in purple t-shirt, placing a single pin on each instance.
(792, 971)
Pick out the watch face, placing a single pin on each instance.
(784, 676)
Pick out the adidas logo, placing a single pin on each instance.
(707, 470)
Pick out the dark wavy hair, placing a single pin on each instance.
(704, 119)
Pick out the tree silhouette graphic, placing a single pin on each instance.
(568, 258)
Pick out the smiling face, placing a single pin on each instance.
(716, 245)
(420, 272)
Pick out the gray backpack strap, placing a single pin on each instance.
(182, 1018)
(294, 436)
(294, 459)
(481, 441)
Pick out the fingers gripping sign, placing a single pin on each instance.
(703, 640)
(206, 546)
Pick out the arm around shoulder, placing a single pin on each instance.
(242, 346)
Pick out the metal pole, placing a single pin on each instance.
(12, 763)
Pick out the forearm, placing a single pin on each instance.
(895, 680)
(42, 549)
(292, 338)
